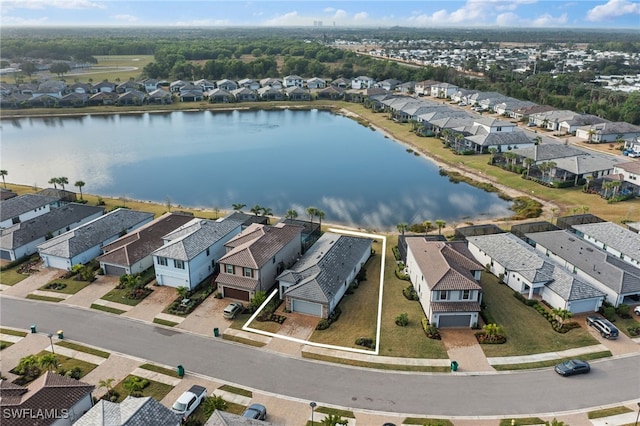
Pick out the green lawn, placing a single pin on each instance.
(72, 286)
(11, 276)
(156, 390)
(159, 369)
(68, 364)
(107, 309)
(4, 344)
(81, 348)
(164, 322)
(44, 298)
(119, 295)
(624, 323)
(527, 331)
(13, 332)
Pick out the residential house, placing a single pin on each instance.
(316, 83)
(629, 173)
(224, 418)
(256, 257)
(150, 84)
(362, 82)
(423, 88)
(205, 85)
(62, 195)
(612, 238)
(84, 243)
(248, 83)
(220, 96)
(60, 400)
(132, 253)
(175, 86)
(144, 411)
(571, 125)
(296, 93)
(271, 82)
(44, 101)
(191, 253)
(488, 100)
(104, 86)
(23, 238)
(446, 278)
(244, 94)
(331, 92)
(293, 81)
(509, 107)
(523, 113)
(443, 90)
(482, 141)
(407, 87)
(462, 96)
(563, 120)
(5, 194)
(53, 88)
(608, 132)
(83, 88)
(191, 93)
(103, 98)
(389, 84)
(226, 84)
(129, 86)
(160, 96)
(604, 271)
(132, 97)
(267, 93)
(528, 272)
(74, 100)
(25, 207)
(316, 283)
(341, 83)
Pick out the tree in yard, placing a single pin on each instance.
(257, 209)
(79, 184)
(63, 181)
(134, 385)
(49, 361)
(183, 291)
(528, 162)
(54, 182)
(3, 173)
(28, 68)
(168, 203)
(537, 140)
(320, 215)
(311, 211)
(266, 211)
(561, 315)
(238, 207)
(291, 214)
(28, 366)
(402, 227)
(60, 68)
(493, 331)
(258, 299)
(129, 281)
(213, 403)
(492, 154)
(585, 209)
(440, 224)
(428, 226)
(107, 384)
(334, 420)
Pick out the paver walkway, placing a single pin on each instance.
(115, 367)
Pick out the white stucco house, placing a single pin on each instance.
(315, 284)
(446, 278)
(612, 238)
(362, 82)
(84, 243)
(191, 253)
(25, 207)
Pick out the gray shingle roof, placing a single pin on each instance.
(58, 218)
(614, 236)
(194, 237)
(93, 233)
(501, 138)
(144, 411)
(325, 267)
(549, 151)
(14, 207)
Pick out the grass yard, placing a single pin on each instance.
(4, 344)
(82, 348)
(119, 295)
(551, 363)
(607, 412)
(112, 68)
(72, 286)
(11, 276)
(107, 309)
(156, 390)
(624, 323)
(159, 369)
(237, 391)
(44, 298)
(68, 364)
(527, 331)
(13, 332)
(164, 322)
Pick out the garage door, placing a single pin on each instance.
(454, 321)
(583, 306)
(306, 307)
(5, 255)
(234, 293)
(114, 270)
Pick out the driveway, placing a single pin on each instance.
(463, 347)
(33, 281)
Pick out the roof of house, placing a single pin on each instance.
(50, 391)
(614, 128)
(16, 206)
(144, 411)
(257, 244)
(318, 275)
(516, 255)
(224, 418)
(612, 272)
(93, 233)
(614, 236)
(58, 218)
(549, 151)
(194, 237)
(630, 166)
(445, 265)
(141, 242)
(587, 162)
(501, 138)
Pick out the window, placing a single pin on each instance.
(499, 128)
(162, 261)
(466, 294)
(15, 220)
(207, 252)
(248, 272)
(443, 295)
(178, 264)
(229, 269)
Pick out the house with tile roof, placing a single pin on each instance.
(532, 274)
(606, 272)
(51, 399)
(615, 239)
(84, 243)
(629, 175)
(255, 257)
(316, 283)
(192, 252)
(22, 239)
(446, 278)
(25, 207)
(144, 411)
(132, 253)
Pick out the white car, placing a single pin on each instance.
(636, 310)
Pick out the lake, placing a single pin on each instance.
(278, 159)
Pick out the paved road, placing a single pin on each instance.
(518, 393)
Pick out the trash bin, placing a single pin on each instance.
(454, 365)
(216, 332)
(33, 328)
(180, 370)
(60, 334)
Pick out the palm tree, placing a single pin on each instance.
(49, 361)
(334, 420)
(402, 227)
(493, 331)
(440, 224)
(63, 181)
(554, 210)
(182, 291)
(256, 209)
(428, 226)
(53, 181)
(79, 184)
(291, 214)
(320, 215)
(590, 134)
(134, 384)
(266, 211)
(492, 152)
(107, 384)
(528, 162)
(3, 173)
(562, 315)
(585, 209)
(311, 211)
(537, 140)
(238, 207)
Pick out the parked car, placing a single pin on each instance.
(189, 401)
(603, 326)
(255, 411)
(573, 367)
(636, 310)
(232, 309)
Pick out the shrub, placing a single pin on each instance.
(410, 293)
(402, 320)
(396, 253)
(623, 311)
(634, 331)
(366, 342)
(323, 324)
(610, 313)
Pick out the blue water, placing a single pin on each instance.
(277, 159)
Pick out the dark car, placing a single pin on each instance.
(573, 367)
(603, 326)
(255, 411)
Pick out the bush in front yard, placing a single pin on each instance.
(402, 320)
(410, 293)
(366, 342)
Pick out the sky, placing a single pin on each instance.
(353, 13)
